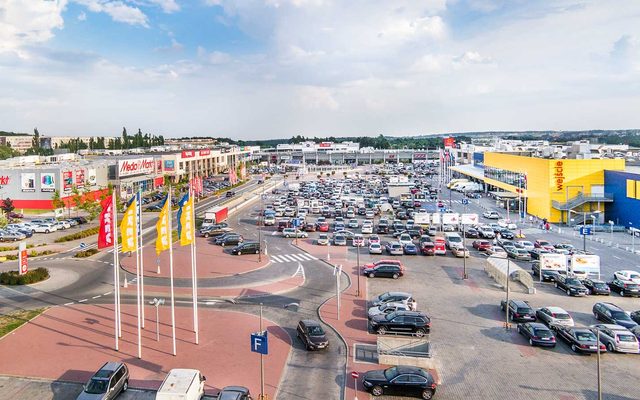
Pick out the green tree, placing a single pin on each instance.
(56, 200)
(76, 197)
(7, 152)
(7, 205)
(35, 142)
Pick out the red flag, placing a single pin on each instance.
(105, 233)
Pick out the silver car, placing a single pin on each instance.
(617, 338)
(387, 308)
(554, 316)
(106, 384)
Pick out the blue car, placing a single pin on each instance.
(410, 249)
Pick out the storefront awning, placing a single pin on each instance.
(469, 170)
(505, 195)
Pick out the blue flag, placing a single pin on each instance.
(181, 203)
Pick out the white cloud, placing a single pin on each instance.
(167, 6)
(28, 22)
(313, 97)
(117, 10)
(82, 16)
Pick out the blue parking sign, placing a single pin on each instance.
(260, 343)
(465, 201)
(585, 231)
(296, 222)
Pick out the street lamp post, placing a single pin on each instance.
(506, 324)
(598, 363)
(611, 224)
(358, 268)
(157, 303)
(464, 254)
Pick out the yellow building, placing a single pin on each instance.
(560, 190)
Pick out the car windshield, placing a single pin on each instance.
(572, 281)
(600, 285)
(543, 333)
(390, 373)
(96, 386)
(316, 331)
(620, 315)
(384, 296)
(585, 336)
(390, 316)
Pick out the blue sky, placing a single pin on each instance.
(257, 69)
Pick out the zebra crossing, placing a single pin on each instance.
(446, 201)
(284, 258)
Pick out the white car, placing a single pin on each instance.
(62, 225)
(45, 228)
(497, 252)
(367, 228)
(505, 223)
(404, 239)
(627, 275)
(554, 316)
(374, 239)
(375, 248)
(525, 244)
(491, 215)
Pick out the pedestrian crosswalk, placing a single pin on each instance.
(284, 258)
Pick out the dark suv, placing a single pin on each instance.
(411, 322)
(312, 335)
(229, 239)
(246, 248)
(610, 313)
(519, 311)
(110, 380)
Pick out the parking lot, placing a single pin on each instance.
(477, 356)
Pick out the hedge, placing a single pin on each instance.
(32, 253)
(12, 248)
(86, 253)
(33, 276)
(78, 235)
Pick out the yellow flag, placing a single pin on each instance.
(163, 240)
(187, 223)
(128, 228)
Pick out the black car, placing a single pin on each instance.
(401, 381)
(596, 287)
(506, 234)
(382, 228)
(572, 286)
(635, 316)
(519, 310)
(535, 253)
(624, 288)
(537, 334)
(312, 335)
(230, 193)
(80, 220)
(581, 340)
(234, 393)
(227, 240)
(246, 248)
(610, 313)
(548, 275)
(471, 233)
(411, 322)
(384, 270)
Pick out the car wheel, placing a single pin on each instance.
(381, 330)
(47, 231)
(420, 332)
(574, 348)
(395, 276)
(596, 316)
(610, 347)
(568, 292)
(622, 292)
(530, 342)
(257, 251)
(206, 235)
(556, 285)
(427, 394)
(376, 391)
(125, 386)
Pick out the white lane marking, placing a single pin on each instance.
(309, 256)
(68, 304)
(106, 294)
(98, 296)
(287, 258)
(275, 258)
(274, 233)
(82, 301)
(297, 258)
(616, 257)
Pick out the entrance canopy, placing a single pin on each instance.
(506, 195)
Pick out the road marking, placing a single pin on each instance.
(98, 296)
(308, 256)
(274, 233)
(275, 258)
(68, 304)
(82, 301)
(617, 257)
(106, 294)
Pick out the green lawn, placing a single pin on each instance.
(10, 322)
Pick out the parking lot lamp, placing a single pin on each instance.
(611, 224)
(358, 268)
(507, 326)
(464, 254)
(598, 364)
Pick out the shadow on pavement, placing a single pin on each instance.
(488, 311)
(64, 390)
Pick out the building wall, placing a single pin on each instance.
(625, 188)
(552, 179)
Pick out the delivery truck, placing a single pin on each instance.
(215, 215)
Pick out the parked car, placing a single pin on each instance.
(246, 248)
(107, 383)
(471, 233)
(358, 240)
(229, 239)
(486, 232)
(491, 215)
(389, 297)
(6, 236)
(309, 227)
(617, 338)
(400, 381)
(627, 275)
(410, 249)
(496, 251)
(374, 239)
(517, 254)
(519, 310)
(460, 251)
(45, 228)
(384, 270)
(323, 239)
(481, 245)
(554, 317)
(581, 340)
(339, 240)
(292, 232)
(428, 248)
(596, 286)
(536, 253)
(183, 384)
(624, 288)
(537, 334)
(570, 285)
(548, 275)
(543, 244)
(394, 248)
(387, 308)
(312, 335)
(215, 230)
(610, 313)
(635, 316)
(410, 322)
(375, 248)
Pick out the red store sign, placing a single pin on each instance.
(204, 152)
(136, 166)
(188, 154)
(4, 180)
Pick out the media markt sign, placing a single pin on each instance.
(22, 259)
(136, 166)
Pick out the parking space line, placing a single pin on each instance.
(82, 301)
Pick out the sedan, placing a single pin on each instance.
(624, 288)
(460, 252)
(572, 286)
(471, 233)
(627, 275)
(554, 317)
(410, 249)
(596, 287)
(340, 240)
(387, 308)
(234, 393)
(497, 252)
(481, 245)
(518, 254)
(11, 236)
(323, 240)
(401, 381)
(537, 334)
(374, 239)
(375, 248)
(580, 339)
(394, 248)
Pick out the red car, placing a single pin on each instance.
(440, 204)
(482, 245)
(323, 227)
(428, 249)
(543, 244)
(380, 262)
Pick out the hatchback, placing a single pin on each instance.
(312, 335)
(384, 270)
(617, 338)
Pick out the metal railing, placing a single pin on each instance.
(582, 198)
(405, 347)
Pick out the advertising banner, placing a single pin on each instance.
(589, 263)
(23, 258)
(79, 178)
(92, 177)
(67, 180)
(135, 166)
(107, 227)
(469, 219)
(449, 142)
(435, 218)
(554, 261)
(158, 181)
(420, 156)
(450, 218)
(169, 165)
(47, 182)
(28, 182)
(159, 166)
(188, 153)
(204, 152)
(325, 144)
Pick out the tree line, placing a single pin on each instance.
(125, 141)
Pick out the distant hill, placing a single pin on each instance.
(3, 133)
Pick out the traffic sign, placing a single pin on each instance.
(585, 230)
(355, 375)
(465, 201)
(260, 343)
(296, 222)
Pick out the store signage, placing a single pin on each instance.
(67, 180)
(204, 152)
(325, 144)
(391, 156)
(47, 182)
(158, 181)
(79, 178)
(449, 142)
(4, 180)
(558, 175)
(188, 154)
(169, 165)
(92, 178)
(420, 156)
(28, 182)
(135, 166)
(24, 263)
(159, 166)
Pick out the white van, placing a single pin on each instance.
(182, 384)
(454, 181)
(453, 240)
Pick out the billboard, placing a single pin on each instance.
(421, 218)
(589, 263)
(469, 219)
(450, 218)
(554, 261)
(47, 182)
(435, 218)
(79, 178)
(188, 154)
(92, 177)
(159, 166)
(325, 145)
(204, 152)
(449, 142)
(28, 182)
(420, 156)
(136, 166)
(169, 165)
(67, 180)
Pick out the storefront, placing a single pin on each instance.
(624, 186)
(133, 174)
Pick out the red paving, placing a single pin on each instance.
(275, 287)
(83, 336)
(212, 261)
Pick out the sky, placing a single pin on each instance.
(260, 69)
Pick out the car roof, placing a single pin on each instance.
(613, 327)
(557, 310)
(538, 325)
(610, 306)
(407, 369)
(521, 303)
(310, 322)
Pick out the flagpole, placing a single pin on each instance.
(140, 245)
(194, 271)
(138, 285)
(173, 310)
(116, 275)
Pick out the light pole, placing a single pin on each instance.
(464, 254)
(358, 268)
(157, 303)
(507, 326)
(611, 224)
(598, 364)
(262, 394)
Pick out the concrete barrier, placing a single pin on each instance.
(496, 268)
(402, 350)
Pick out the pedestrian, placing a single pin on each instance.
(546, 226)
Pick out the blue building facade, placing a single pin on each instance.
(625, 187)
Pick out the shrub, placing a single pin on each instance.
(86, 253)
(32, 253)
(78, 235)
(33, 276)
